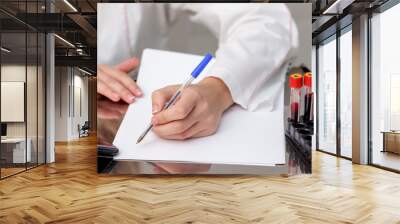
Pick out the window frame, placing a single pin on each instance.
(334, 37)
(371, 13)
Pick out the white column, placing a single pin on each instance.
(360, 90)
(50, 99)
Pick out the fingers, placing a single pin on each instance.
(109, 84)
(194, 131)
(174, 127)
(122, 78)
(161, 96)
(209, 127)
(188, 133)
(201, 128)
(195, 114)
(115, 83)
(113, 80)
(128, 65)
(204, 133)
(106, 91)
(179, 110)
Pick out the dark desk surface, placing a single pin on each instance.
(110, 114)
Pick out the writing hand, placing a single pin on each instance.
(196, 114)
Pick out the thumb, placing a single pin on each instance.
(161, 96)
(128, 65)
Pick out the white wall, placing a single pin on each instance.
(82, 83)
(79, 117)
(70, 83)
(61, 103)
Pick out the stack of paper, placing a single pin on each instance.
(249, 138)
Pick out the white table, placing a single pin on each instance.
(19, 153)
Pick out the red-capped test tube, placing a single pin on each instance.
(295, 84)
(308, 97)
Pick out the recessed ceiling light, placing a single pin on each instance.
(5, 50)
(64, 40)
(84, 71)
(337, 7)
(70, 5)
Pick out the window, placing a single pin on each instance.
(314, 89)
(327, 96)
(385, 89)
(346, 93)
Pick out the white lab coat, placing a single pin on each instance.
(252, 42)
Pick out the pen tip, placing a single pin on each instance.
(139, 140)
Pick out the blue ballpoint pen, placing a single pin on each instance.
(196, 72)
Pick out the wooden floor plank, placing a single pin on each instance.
(70, 191)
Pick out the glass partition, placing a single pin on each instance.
(22, 91)
(41, 96)
(14, 153)
(34, 58)
(31, 98)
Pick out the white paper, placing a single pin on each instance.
(243, 137)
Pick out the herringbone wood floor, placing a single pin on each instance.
(70, 191)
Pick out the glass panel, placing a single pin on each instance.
(22, 88)
(32, 88)
(346, 94)
(327, 97)
(31, 98)
(385, 84)
(13, 86)
(41, 99)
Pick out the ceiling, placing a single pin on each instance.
(76, 22)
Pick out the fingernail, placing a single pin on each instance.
(139, 93)
(131, 98)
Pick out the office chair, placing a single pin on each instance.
(84, 130)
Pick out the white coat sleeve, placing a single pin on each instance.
(255, 43)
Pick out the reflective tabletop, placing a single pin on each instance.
(109, 117)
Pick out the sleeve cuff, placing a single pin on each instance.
(239, 95)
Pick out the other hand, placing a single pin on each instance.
(115, 83)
